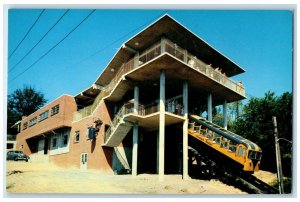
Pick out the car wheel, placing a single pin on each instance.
(16, 159)
(26, 160)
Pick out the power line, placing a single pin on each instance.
(27, 33)
(53, 47)
(99, 51)
(39, 41)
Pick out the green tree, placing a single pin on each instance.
(23, 102)
(256, 125)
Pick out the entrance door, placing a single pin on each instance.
(41, 146)
(83, 161)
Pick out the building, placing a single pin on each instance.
(134, 118)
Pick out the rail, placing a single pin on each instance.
(153, 52)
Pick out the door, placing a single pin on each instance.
(83, 161)
(41, 146)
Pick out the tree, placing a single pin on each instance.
(256, 125)
(23, 102)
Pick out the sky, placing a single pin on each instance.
(259, 41)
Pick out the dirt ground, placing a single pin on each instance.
(22, 177)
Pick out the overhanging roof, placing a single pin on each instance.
(168, 27)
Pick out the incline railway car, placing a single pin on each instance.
(244, 152)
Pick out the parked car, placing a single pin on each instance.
(17, 155)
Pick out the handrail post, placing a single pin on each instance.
(163, 45)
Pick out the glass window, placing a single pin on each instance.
(43, 115)
(54, 110)
(32, 121)
(65, 140)
(240, 151)
(77, 136)
(25, 125)
(54, 142)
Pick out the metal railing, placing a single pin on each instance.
(153, 52)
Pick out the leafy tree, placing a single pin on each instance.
(256, 125)
(23, 102)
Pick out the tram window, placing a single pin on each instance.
(232, 148)
(240, 151)
(251, 155)
(244, 152)
(258, 155)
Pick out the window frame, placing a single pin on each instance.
(32, 121)
(25, 125)
(42, 117)
(55, 110)
(77, 134)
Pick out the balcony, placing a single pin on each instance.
(147, 117)
(149, 55)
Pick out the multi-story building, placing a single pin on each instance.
(135, 116)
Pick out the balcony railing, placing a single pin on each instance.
(165, 46)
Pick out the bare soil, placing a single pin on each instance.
(22, 177)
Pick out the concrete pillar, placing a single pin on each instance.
(225, 114)
(157, 152)
(209, 107)
(162, 125)
(135, 136)
(135, 140)
(136, 100)
(185, 131)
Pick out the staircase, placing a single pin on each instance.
(119, 128)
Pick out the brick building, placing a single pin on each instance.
(135, 116)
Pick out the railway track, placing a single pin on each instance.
(212, 168)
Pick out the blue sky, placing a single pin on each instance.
(258, 41)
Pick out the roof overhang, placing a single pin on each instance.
(169, 28)
(88, 96)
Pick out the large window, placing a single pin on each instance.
(65, 139)
(54, 110)
(44, 115)
(60, 142)
(32, 121)
(54, 142)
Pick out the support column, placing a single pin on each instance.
(225, 114)
(185, 131)
(135, 140)
(136, 100)
(135, 136)
(162, 125)
(209, 107)
(157, 152)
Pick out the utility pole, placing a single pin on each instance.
(278, 157)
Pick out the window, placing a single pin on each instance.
(240, 151)
(25, 125)
(32, 121)
(43, 115)
(77, 136)
(65, 140)
(54, 110)
(54, 142)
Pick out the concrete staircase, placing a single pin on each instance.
(118, 133)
